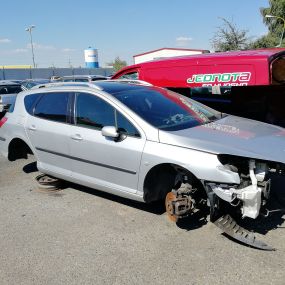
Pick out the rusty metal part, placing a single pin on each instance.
(47, 183)
(229, 226)
(177, 206)
(169, 199)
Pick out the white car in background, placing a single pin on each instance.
(8, 92)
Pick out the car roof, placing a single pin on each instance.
(82, 76)
(36, 79)
(113, 87)
(108, 86)
(8, 82)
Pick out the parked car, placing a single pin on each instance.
(8, 92)
(30, 83)
(82, 78)
(147, 143)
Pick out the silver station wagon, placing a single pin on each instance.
(148, 144)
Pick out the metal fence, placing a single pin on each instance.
(30, 73)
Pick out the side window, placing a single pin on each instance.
(92, 111)
(130, 75)
(53, 106)
(30, 101)
(126, 127)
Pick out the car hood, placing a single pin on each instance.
(232, 135)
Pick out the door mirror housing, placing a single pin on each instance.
(110, 132)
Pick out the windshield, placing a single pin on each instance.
(165, 109)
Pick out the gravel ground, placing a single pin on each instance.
(82, 236)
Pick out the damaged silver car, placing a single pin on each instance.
(148, 144)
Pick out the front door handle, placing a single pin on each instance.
(77, 137)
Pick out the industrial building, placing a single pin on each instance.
(166, 52)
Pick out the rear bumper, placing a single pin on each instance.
(3, 146)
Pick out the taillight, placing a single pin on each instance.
(3, 121)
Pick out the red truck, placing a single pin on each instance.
(238, 68)
(245, 83)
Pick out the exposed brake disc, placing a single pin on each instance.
(169, 199)
(178, 203)
(230, 227)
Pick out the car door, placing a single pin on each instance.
(100, 161)
(47, 129)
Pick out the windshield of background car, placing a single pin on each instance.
(165, 109)
(10, 89)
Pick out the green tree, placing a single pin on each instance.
(275, 25)
(229, 37)
(265, 41)
(117, 64)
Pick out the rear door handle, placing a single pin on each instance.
(32, 128)
(77, 137)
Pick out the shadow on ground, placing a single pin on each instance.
(157, 208)
(30, 167)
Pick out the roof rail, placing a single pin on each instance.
(58, 84)
(90, 84)
(134, 81)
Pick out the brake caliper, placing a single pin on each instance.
(178, 203)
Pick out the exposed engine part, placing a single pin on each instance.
(178, 203)
(267, 212)
(250, 193)
(223, 191)
(266, 188)
(251, 197)
(229, 226)
(260, 171)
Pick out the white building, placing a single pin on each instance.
(166, 52)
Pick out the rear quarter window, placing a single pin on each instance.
(30, 100)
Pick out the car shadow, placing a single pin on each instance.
(30, 167)
(193, 221)
(157, 207)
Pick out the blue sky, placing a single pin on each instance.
(117, 28)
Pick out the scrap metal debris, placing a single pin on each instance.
(48, 183)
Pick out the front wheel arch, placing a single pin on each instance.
(160, 180)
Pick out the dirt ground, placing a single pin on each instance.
(83, 236)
